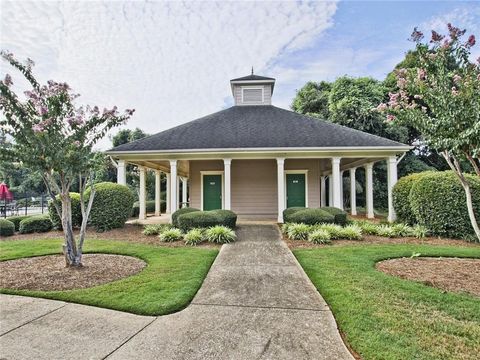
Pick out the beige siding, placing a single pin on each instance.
(267, 97)
(254, 183)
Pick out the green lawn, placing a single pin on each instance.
(384, 317)
(167, 284)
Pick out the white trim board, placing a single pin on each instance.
(305, 172)
(212, 172)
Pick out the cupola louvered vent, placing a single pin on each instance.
(252, 90)
(253, 95)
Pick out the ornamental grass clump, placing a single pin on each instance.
(386, 231)
(155, 229)
(220, 235)
(420, 231)
(319, 236)
(171, 235)
(402, 230)
(285, 228)
(351, 232)
(194, 237)
(334, 230)
(368, 228)
(299, 231)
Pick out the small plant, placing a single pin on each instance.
(319, 236)
(194, 237)
(299, 231)
(334, 230)
(386, 231)
(285, 228)
(402, 230)
(351, 232)
(220, 235)
(155, 229)
(171, 235)
(7, 227)
(369, 228)
(419, 231)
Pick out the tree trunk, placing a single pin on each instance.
(70, 246)
(471, 212)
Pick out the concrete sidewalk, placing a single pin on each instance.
(256, 302)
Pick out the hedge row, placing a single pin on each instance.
(437, 201)
(36, 223)
(7, 228)
(312, 216)
(190, 218)
(17, 219)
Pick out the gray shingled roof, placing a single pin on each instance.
(262, 126)
(252, 77)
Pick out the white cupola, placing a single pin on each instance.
(252, 90)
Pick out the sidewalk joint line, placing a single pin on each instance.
(260, 307)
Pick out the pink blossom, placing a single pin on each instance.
(454, 91)
(77, 143)
(393, 99)
(8, 80)
(401, 73)
(130, 111)
(37, 128)
(71, 121)
(42, 110)
(421, 74)
(436, 37)
(47, 122)
(432, 56)
(401, 83)
(381, 107)
(390, 118)
(418, 96)
(416, 35)
(471, 41)
(455, 32)
(456, 78)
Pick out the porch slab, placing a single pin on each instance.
(152, 220)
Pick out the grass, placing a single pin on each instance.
(167, 284)
(384, 317)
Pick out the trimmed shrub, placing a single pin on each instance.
(155, 229)
(36, 223)
(17, 219)
(171, 235)
(334, 230)
(319, 236)
(194, 237)
(7, 227)
(311, 217)
(401, 201)
(299, 231)
(290, 211)
(205, 219)
(150, 207)
(340, 216)
(438, 201)
(351, 232)
(76, 211)
(112, 205)
(220, 235)
(180, 212)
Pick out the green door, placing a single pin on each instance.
(212, 192)
(295, 190)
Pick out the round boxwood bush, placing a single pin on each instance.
(205, 219)
(438, 201)
(17, 219)
(290, 211)
(179, 212)
(340, 216)
(76, 211)
(7, 228)
(150, 206)
(112, 205)
(311, 217)
(227, 217)
(36, 223)
(401, 201)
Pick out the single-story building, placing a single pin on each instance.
(257, 159)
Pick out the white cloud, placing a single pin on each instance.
(170, 61)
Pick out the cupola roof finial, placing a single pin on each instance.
(252, 70)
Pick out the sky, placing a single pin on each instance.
(172, 61)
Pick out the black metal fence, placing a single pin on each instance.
(24, 204)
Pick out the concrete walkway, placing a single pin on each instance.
(256, 303)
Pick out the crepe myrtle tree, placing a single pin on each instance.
(54, 136)
(441, 99)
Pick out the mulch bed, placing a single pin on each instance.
(47, 273)
(131, 233)
(373, 240)
(449, 274)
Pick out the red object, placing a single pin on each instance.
(5, 194)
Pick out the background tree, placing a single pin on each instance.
(53, 136)
(442, 102)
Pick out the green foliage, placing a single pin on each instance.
(179, 212)
(36, 223)
(312, 99)
(319, 236)
(194, 237)
(420, 232)
(155, 229)
(401, 201)
(170, 235)
(111, 207)
(289, 212)
(299, 231)
(386, 231)
(402, 230)
(205, 219)
(351, 232)
(368, 228)
(311, 217)
(438, 201)
(335, 230)
(76, 211)
(340, 216)
(150, 207)
(17, 219)
(7, 227)
(220, 235)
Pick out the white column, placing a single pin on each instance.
(142, 214)
(184, 192)
(336, 182)
(341, 190)
(330, 190)
(227, 178)
(369, 190)
(173, 186)
(167, 193)
(323, 192)
(121, 173)
(157, 193)
(353, 192)
(281, 187)
(391, 181)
